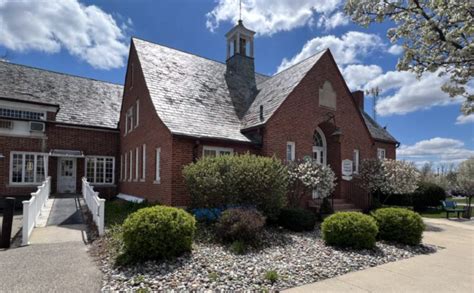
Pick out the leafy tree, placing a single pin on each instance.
(437, 36)
(465, 181)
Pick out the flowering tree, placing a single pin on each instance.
(465, 180)
(306, 175)
(436, 36)
(388, 176)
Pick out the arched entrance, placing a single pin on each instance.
(319, 147)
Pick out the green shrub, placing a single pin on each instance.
(350, 229)
(400, 225)
(158, 232)
(326, 207)
(428, 195)
(238, 247)
(240, 224)
(271, 276)
(297, 219)
(248, 180)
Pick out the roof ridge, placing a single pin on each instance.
(189, 53)
(57, 72)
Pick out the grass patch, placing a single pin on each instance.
(439, 213)
(117, 210)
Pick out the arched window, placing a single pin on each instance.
(319, 147)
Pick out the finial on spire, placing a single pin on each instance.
(240, 10)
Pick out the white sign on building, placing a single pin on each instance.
(347, 170)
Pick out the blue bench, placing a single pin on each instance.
(451, 207)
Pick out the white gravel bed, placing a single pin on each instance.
(299, 258)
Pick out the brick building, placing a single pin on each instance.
(177, 107)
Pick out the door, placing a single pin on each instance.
(66, 175)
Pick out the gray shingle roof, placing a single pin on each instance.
(377, 131)
(275, 89)
(189, 92)
(81, 101)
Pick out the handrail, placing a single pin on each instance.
(95, 204)
(32, 209)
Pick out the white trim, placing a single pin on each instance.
(94, 182)
(92, 128)
(121, 167)
(130, 198)
(218, 150)
(143, 163)
(25, 106)
(381, 151)
(125, 163)
(137, 112)
(130, 176)
(35, 154)
(157, 166)
(355, 160)
(324, 148)
(293, 150)
(137, 161)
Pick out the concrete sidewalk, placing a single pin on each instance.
(56, 259)
(450, 269)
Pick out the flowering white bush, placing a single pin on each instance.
(388, 176)
(307, 175)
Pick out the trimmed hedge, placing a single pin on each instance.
(238, 180)
(350, 229)
(428, 195)
(297, 219)
(400, 225)
(158, 232)
(240, 224)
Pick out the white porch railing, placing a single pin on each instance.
(95, 204)
(32, 209)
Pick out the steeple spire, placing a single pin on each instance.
(240, 11)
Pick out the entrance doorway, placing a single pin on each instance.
(66, 175)
(319, 152)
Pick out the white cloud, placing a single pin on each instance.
(357, 75)
(465, 119)
(267, 17)
(408, 93)
(49, 26)
(333, 21)
(437, 150)
(346, 49)
(395, 50)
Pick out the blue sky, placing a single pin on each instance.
(90, 38)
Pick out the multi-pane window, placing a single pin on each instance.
(130, 155)
(143, 162)
(131, 117)
(380, 154)
(27, 168)
(21, 114)
(137, 161)
(100, 170)
(209, 151)
(355, 161)
(125, 169)
(290, 151)
(157, 165)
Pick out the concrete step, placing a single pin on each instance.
(339, 204)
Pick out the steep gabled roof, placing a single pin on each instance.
(189, 92)
(81, 101)
(273, 91)
(377, 131)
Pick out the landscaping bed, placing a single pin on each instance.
(297, 258)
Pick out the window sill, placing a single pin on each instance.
(23, 185)
(103, 184)
(157, 181)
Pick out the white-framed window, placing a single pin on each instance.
(129, 120)
(137, 161)
(355, 161)
(319, 146)
(121, 167)
(381, 153)
(143, 163)
(210, 151)
(137, 113)
(157, 165)
(130, 155)
(28, 168)
(290, 151)
(100, 170)
(125, 169)
(22, 114)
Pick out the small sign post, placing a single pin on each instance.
(347, 170)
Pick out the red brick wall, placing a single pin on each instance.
(300, 115)
(150, 131)
(90, 141)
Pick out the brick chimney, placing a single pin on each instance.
(359, 98)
